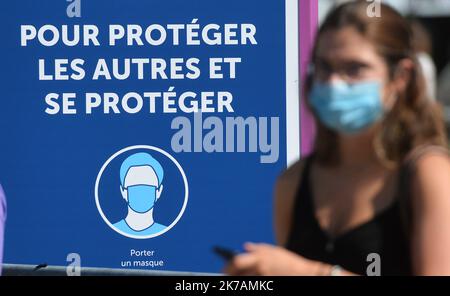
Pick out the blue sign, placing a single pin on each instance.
(141, 134)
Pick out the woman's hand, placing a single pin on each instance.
(264, 259)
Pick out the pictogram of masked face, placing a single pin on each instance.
(141, 182)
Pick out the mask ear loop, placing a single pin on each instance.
(159, 191)
(124, 192)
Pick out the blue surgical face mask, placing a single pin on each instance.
(347, 108)
(141, 198)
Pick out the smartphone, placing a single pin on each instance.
(225, 253)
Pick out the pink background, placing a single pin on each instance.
(308, 22)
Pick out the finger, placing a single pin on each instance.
(245, 261)
(250, 247)
(253, 247)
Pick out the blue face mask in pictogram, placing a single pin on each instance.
(141, 198)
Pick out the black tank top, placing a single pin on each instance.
(383, 235)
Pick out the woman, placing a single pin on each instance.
(378, 183)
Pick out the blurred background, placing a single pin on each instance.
(431, 26)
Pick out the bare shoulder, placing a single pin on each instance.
(285, 192)
(431, 176)
(431, 213)
(431, 164)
